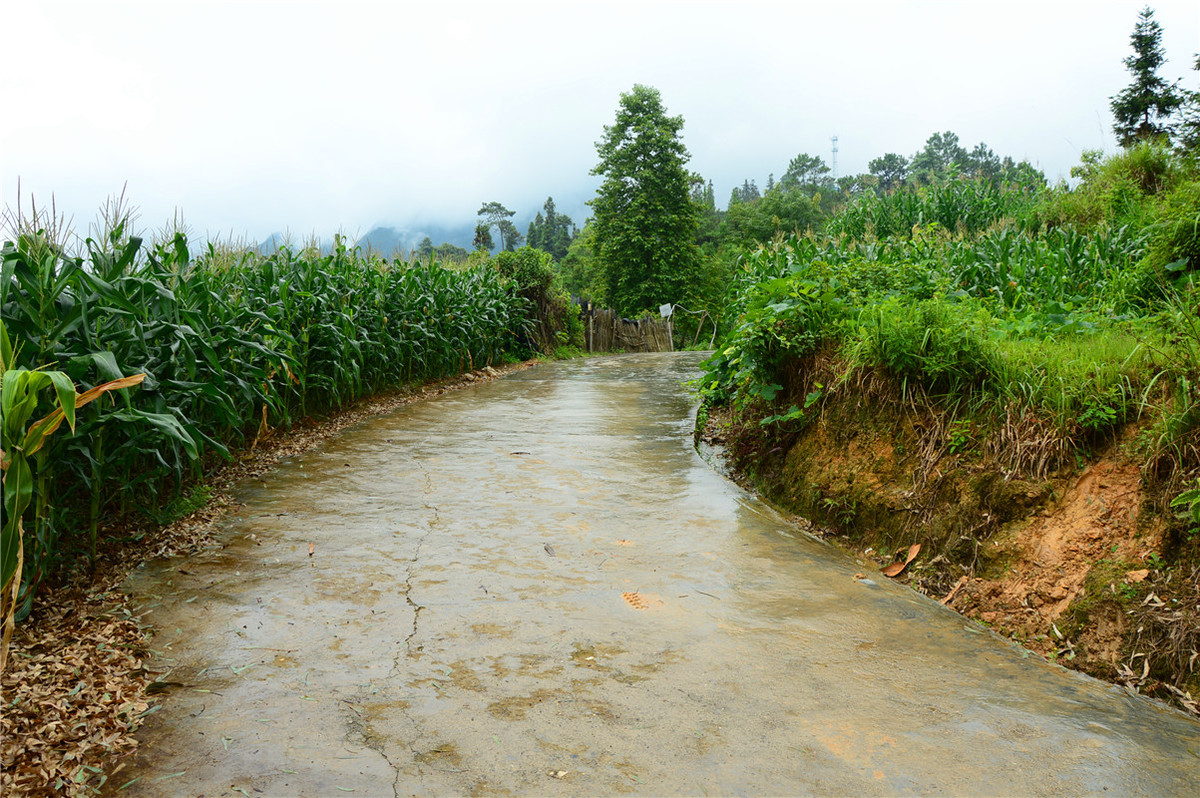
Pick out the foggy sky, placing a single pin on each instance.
(254, 118)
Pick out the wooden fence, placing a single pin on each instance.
(604, 331)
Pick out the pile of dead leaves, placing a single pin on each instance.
(75, 688)
(74, 693)
(1166, 639)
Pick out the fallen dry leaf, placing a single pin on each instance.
(1137, 576)
(635, 600)
(896, 568)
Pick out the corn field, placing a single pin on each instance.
(959, 206)
(228, 341)
(1063, 268)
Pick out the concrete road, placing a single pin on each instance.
(535, 586)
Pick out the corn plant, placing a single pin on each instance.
(20, 441)
(228, 340)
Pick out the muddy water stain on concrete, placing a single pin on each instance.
(515, 707)
(603, 615)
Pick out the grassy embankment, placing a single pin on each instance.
(1011, 380)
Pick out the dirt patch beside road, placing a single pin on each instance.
(1040, 566)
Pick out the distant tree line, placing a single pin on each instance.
(550, 231)
(443, 252)
(657, 235)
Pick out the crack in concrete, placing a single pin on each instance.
(409, 573)
(416, 608)
(395, 769)
(357, 727)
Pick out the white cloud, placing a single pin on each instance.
(256, 117)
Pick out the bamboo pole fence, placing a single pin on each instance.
(605, 331)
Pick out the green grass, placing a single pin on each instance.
(989, 311)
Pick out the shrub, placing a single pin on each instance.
(556, 320)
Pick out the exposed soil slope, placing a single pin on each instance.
(1075, 565)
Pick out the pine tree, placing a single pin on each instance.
(536, 235)
(494, 214)
(1141, 110)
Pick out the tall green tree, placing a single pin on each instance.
(746, 192)
(891, 169)
(483, 237)
(942, 153)
(1141, 110)
(703, 194)
(1187, 128)
(494, 214)
(704, 197)
(644, 216)
(984, 164)
(551, 231)
(806, 172)
(510, 237)
(535, 236)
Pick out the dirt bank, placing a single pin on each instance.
(1077, 563)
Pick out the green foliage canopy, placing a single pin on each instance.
(1187, 128)
(808, 173)
(483, 238)
(645, 219)
(891, 169)
(494, 214)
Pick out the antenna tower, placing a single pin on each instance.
(835, 174)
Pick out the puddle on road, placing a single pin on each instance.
(604, 614)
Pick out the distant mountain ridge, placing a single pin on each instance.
(404, 239)
(387, 241)
(396, 240)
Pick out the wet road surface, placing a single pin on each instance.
(536, 586)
